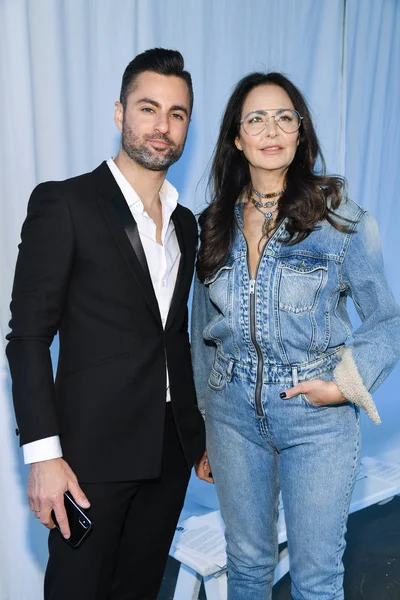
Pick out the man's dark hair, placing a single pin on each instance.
(157, 60)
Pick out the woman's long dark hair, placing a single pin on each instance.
(304, 200)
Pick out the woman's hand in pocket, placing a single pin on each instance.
(317, 392)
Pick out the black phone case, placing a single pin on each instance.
(79, 523)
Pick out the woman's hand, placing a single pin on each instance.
(203, 469)
(317, 391)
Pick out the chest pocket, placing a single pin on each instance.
(220, 287)
(301, 279)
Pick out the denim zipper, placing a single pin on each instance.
(253, 336)
(260, 360)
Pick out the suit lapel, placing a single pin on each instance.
(129, 224)
(179, 289)
(125, 232)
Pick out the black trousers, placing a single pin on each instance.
(124, 556)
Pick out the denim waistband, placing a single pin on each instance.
(275, 373)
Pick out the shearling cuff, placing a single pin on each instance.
(348, 380)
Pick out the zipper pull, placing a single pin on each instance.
(252, 286)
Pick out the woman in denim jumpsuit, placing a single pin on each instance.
(278, 381)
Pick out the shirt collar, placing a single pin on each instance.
(168, 193)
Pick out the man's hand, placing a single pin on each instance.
(317, 391)
(203, 469)
(48, 480)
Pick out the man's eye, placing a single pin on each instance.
(147, 109)
(177, 116)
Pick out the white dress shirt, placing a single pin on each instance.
(163, 263)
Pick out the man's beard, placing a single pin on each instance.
(137, 150)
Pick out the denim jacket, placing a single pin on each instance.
(292, 318)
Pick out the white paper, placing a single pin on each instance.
(389, 471)
(202, 538)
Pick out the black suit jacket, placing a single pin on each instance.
(82, 271)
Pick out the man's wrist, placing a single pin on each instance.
(42, 450)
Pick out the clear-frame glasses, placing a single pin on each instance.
(256, 120)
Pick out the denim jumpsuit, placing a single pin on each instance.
(254, 338)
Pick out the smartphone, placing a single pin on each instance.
(79, 523)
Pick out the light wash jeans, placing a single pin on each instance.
(311, 454)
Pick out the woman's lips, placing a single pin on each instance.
(271, 149)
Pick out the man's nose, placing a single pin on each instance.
(162, 123)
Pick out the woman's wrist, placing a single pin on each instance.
(336, 393)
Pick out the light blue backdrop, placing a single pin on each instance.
(61, 63)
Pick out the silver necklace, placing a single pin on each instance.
(268, 204)
(267, 215)
(263, 196)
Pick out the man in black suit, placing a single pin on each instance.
(106, 260)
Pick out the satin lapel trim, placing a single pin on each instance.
(128, 240)
(179, 287)
(129, 224)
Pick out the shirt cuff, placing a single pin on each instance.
(45, 449)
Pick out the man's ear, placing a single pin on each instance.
(119, 114)
(238, 144)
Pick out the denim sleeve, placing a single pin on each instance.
(203, 351)
(367, 361)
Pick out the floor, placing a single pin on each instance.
(372, 558)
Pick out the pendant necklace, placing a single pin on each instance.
(267, 216)
(266, 226)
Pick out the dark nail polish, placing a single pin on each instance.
(282, 394)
